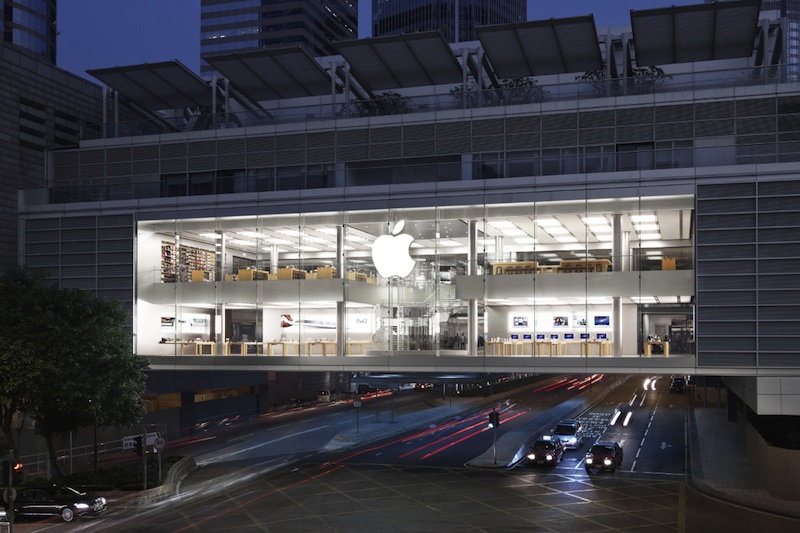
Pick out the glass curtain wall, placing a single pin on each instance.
(560, 278)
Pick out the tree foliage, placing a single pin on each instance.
(509, 92)
(67, 359)
(643, 80)
(387, 103)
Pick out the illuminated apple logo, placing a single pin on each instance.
(390, 253)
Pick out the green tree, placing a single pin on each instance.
(73, 354)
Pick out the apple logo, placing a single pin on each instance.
(390, 253)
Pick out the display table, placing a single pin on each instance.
(323, 345)
(519, 347)
(557, 347)
(326, 272)
(499, 347)
(291, 273)
(359, 344)
(603, 347)
(648, 347)
(283, 344)
(202, 275)
(183, 346)
(252, 275)
(585, 265)
(515, 267)
(200, 348)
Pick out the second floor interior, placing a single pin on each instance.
(586, 278)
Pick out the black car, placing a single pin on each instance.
(547, 450)
(57, 500)
(678, 384)
(603, 455)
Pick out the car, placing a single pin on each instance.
(57, 500)
(603, 455)
(570, 432)
(678, 384)
(546, 450)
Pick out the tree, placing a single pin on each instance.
(511, 91)
(71, 356)
(643, 80)
(387, 103)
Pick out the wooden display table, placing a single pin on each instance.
(603, 347)
(515, 267)
(585, 265)
(291, 273)
(324, 345)
(559, 347)
(200, 348)
(183, 346)
(326, 272)
(202, 275)
(500, 347)
(357, 276)
(648, 347)
(283, 344)
(252, 275)
(359, 344)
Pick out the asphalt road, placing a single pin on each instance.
(245, 484)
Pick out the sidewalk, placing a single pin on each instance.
(719, 466)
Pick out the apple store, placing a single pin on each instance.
(539, 279)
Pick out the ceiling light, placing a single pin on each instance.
(559, 230)
(447, 243)
(566, 240)
(645, 227)
(548, 222)
(513, 232)
(241, 242)
(598, 221)
(251, 234)
(501, 224)
(290, 232)
(327, 231)
(525, 240)
(318, 240)
(308, 249)
(649, 236)
(356, 238)
(636, 219)
(211, 235)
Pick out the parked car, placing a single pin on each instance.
(547, 450)
(57, 500)
(603, 455)
(570, 432)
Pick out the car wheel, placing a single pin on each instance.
(67, 514)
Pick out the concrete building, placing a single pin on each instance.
(630, 206)
(244, 26)
(31, 25)
(455, 19)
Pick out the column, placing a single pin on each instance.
(472, 304)
(620, 259)
(341, 305)
(273, 259)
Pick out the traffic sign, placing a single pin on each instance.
(160, 443)
(129, 441)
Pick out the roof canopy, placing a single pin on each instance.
(701, 32)
(542, 47)
(273, 73)
(401, 61)
(157, 86)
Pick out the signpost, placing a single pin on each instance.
(357, 405)
(160, 443)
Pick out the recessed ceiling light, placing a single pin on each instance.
(643, 218)
(318, 240)
(566, 240)
(251, 234)
(501, 224)
(513, 232)
(211, 235)
(547, 222)
(525, 240)
(447, 243)
(649, 236)
(241, 242)
(645, 227)
(595, 221)
(290, 232)
(557, 230)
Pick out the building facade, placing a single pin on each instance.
(245, 25)
(31, 24)
(455, 19)
(584, 221)
(42, 107)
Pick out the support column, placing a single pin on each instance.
(618, 261)
(341, 305)
(472, 304)
(273, 259)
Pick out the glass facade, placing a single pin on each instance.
(246, 25)
(568, 278)
(397, 17)
(31, 24)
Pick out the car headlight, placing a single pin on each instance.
(82, 506)
(549, 457)
(532, 456)
(589, 460)
(607, 461)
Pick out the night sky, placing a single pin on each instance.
(109, 33)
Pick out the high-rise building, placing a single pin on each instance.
(31, 24)
(246, 25)
(790, 10)
(455, 19)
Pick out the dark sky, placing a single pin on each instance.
(109, 33)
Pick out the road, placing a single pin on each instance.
(399, 484)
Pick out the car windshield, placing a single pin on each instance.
(565, 430)
(600, 450)
(543, 445)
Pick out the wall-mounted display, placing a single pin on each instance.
(520, 322)
(601, 320)
(559, 321)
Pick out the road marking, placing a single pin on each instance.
(213, 457)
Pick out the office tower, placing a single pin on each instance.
(31, 24)
(232, 26)
(790, 9)
(398, 17)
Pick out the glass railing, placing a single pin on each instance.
(396, 104)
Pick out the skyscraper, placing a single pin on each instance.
(791, 10)
(31, 24)
(455, 19)
(245, 25)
